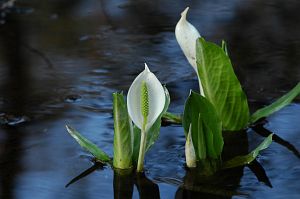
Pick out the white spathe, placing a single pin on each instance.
(190, 155)
(156, 96)
(186, 36)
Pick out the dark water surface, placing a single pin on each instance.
(61, 60)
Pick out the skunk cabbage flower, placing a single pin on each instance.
(186, 35)
(190, 155)
(145, 99)
(145, 102)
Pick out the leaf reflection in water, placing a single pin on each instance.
(123, 183)
(261, 130)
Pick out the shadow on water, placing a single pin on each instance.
(261, 130)
(123, 183)
(146, 188)
(260, 173)
(223, 184)
(96, 166)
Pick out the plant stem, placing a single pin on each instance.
(142, 151)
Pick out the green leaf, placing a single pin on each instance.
(221, 86)
(203, 116)
(201, 139)
(247, 159)
(211, 142)
(277, 105)
(123, 137)
(136, 143)
(152, 134)
(89, 146)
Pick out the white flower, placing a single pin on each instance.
(145, 102)
(145, 99)
(187, 35)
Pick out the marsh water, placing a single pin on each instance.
(60, 62)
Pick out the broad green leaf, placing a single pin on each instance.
(209, 166)
(208, 124)
(247, 159)
(136, 144)
(153, 132)
(277, 105)
(201, 139)
(89, 146)
(212, 143)
(221, 86)
(123, 137)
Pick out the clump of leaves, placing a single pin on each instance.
(220, 105)
(126, 136)
(224, 91)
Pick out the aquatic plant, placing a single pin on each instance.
(136, 123)
(220, 84)
(145, 102)
(221, 105)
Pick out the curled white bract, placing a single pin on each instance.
(190, 155)
(156, 97)
(186, 36)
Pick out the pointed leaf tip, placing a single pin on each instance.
(147, 68)
(89, 146)
(69, 129)
(184, 13)
(247, 159)
(277, 105)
